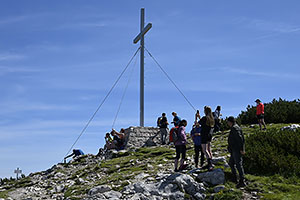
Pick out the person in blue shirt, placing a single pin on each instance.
(76, 152)
(176, 119)
(196, 136)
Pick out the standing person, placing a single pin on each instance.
(207, 126)
(163, 125)
(236, 148)
(217, 114)
(197, 116)
(180, 146)
(196, 136)
(176, 119)
(260, 112)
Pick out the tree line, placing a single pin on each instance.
(277, 111)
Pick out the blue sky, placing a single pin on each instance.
(58, 60)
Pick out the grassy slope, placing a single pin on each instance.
(268, 187)
(119, 172)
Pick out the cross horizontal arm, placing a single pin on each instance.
(145, 30)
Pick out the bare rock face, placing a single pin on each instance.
(169, 187)
(142, 136)
(215, 177)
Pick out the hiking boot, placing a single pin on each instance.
(234, 178)
(210, 166)
(201, 163)
(241, 184)
(176, 170)
(183, 167)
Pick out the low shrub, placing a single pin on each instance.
(277, 111)
(273, 152)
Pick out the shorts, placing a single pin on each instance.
(206, 137)
(180, 149)
(261, 116)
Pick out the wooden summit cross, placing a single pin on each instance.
(18, 171)
(140, 37)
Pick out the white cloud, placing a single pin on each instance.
(38, 127)
(280, 75)
(10, 56)
(15, 106)
(271, 28)
(14, 69)
(13, 19)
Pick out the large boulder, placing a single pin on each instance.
(112, 195)
(215, 177)
(188, 184)
(169, 187)
(99, 189)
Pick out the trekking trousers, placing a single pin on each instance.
(236, 160)
(198, 150)
(164, 132)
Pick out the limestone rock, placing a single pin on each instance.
(113, 195)
(99, 189)
(215, 177)
(292, 127)
(187, 183)
(219, 160)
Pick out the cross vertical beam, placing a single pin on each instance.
(18, 171)
(142, 72)
(140, 37)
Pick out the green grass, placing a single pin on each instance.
(4, 194)
(228, 194)
(275, 187)
(77, 190)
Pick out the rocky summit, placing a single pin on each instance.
(143, 171)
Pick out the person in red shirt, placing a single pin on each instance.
(260, 114)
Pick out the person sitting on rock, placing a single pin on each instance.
(196, 136)
(76, 152)
(108, 142)
(236, 148)
(176, 119)
(180, 145)
(118, 138)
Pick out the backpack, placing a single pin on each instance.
(159, 121)
(175, 135)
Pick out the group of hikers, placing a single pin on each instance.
(201, 134)
(115, 140)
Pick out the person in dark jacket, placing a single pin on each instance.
(163, 128)
(236, 148)
(207, 126)
(217, 114)
(180, 146)
(196, 136)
